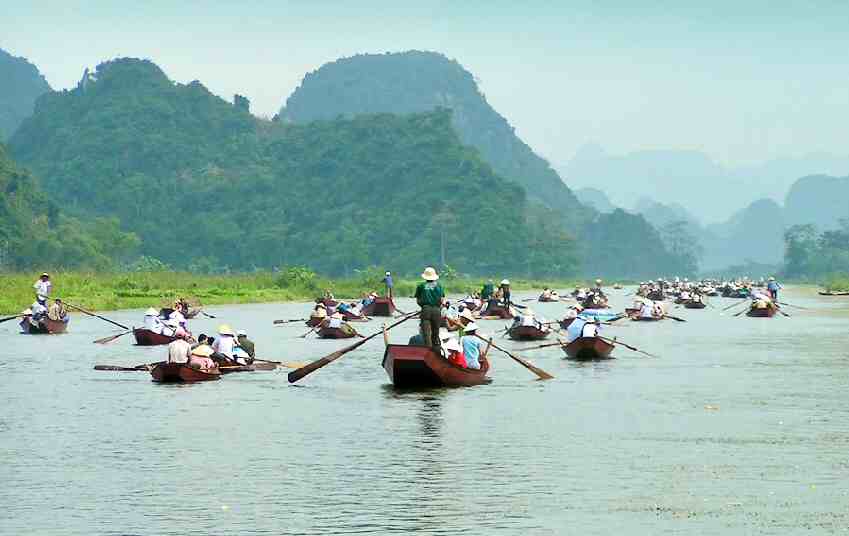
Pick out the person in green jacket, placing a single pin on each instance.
(430, 295)
(488, 290)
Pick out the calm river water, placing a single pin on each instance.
(741, 426)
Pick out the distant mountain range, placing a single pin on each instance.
(711, 192)
(21, 84)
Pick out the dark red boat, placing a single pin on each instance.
(145, 337)
(528, 333)
(694, 305)
(588, 348)
(766, 312)
(326, 332)
(314, 321)
(381, 306)
(182, 373)
(497, 311)
(419, 366)
(45, 327)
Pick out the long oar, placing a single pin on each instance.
(304, 336)
(675, 318)
(296, 375)
(549, 345)
(80, 309)
(734, 305)
(204, 313)
(628, 346)
(111, 338)
(796, 306)
(543, 375)
(10, 318)
(137, 368)
(286, 364)
(290, 321)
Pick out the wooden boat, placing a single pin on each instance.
(381, 306)
(419, 366)
(631, 311)
(587, 348)
(694, 305)
(326, 332)
(528, 333)
(638, 318)
(182, 373)
(351, 317)
(498, 311)
(552, 298)
(617, 286)
(145, 337)
(832, 293)
(314, 321)
(766, 312)
(45, 327)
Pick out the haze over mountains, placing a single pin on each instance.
(710, 191)
(20, 85)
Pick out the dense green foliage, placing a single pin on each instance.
(209, 188)
(125, 290)
(35, 231)
(416, 81)
(20, 85)
(817, 255)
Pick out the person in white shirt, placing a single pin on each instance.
(224, 344)
(39, 308)
(591, 329)
(43, 286)
(647, 309)
(179, 351)
(152, 321)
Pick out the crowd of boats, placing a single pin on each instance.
(458, 358)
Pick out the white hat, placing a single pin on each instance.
(27, 312)
(151, 312)
(242, 332)
(430, 274)
(467, 314)
(225, 329)
(451, 344)
(45, 274)
(505, 281)
(598, 281)
(41, 298)
(471, 327)
(387, 273)
(772, 279)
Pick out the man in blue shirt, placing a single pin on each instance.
(773, 287)
(387, 280)
(473, 347)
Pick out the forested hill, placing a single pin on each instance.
(417, 81)
(20, 85)
(207, 186)
(36, 232)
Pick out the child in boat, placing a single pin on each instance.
(454, 352)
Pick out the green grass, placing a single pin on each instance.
(837, 283)
(110, 291)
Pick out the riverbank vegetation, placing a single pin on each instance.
(818, 256)
(110, 291)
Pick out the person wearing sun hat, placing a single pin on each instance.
(430, 295)
(152, 322)
(387, 280)
(453, 351)
(200, 358)
(43, 286)
(472, 345)
(224, 344)
(773, 287)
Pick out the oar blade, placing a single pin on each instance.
(298, 374)
(111, 338)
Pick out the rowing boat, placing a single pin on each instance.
(326, 332)
(588, 348)
(764, 312)
(145, 337)
(832, 293)
(45, 327)
(528, 333)
(314, 321)
(381, 306)
(552, 298)
(182, 373)
(497, 310)
(694, 305)
(418, 366)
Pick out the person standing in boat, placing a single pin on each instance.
(43, 286)
(473, 349)
(773, 287)
(387, 280)
(487, 290)
(506, 295)
(430, 296)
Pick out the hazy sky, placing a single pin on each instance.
(742, 81)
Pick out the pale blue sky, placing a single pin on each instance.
(742, 81)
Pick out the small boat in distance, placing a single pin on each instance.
(145, 337)
(588, 348)
(45, 327)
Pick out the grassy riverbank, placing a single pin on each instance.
(837, 284)
(110, 291)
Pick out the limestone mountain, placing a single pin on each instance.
(21, 85)
(821, 200)
(417, 81)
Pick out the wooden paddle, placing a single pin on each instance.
(290, 321)
(296, 375)
(304, 336)
(111, 338)
(796, 306)
(286, 364)
(543, 375)
(783, 313)
(80, 309)
(675, 318)
(137, 368)
(734, 305)
(204, 313)
(10, 318)
(617, 341)
(549, 345)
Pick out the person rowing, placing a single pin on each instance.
(473, 349)
(773, 287)
(152, 321)
(43, 286)
(430, 296)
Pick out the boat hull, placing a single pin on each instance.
(528, 333)
(766, 312)
(380, 307)
(145, 337)
(181, 373)
(418, 366)
(46, 327)
(498, 311)
(334, 333)
(694, 305)
(588, 348)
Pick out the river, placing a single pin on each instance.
(740, 426)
